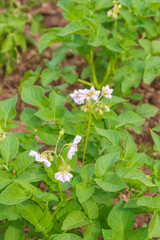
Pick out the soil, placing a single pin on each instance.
(30, 59)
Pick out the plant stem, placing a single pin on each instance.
(84, 82)
(115, 24)
(60, 190)
(86, 141)
(107, 74)
(91, 63)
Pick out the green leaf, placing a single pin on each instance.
(65, 210)
(91, 209)
(46, 114)
(149, 202)
(135, 176)
(47, 39)
(14, 194)
(104, 163)
(136, 96)
(74, 219)
(152, 66)
(28, 117)
(92, 231)
(32, 174)
(112, 235)
(155, 47)
(66, 236)
(9, 147)
(87, 172)
(146, 44)
(112, 183)
(20, 40)
(35, 96)
(111, 135)
(48, 134)
(5, 179)
(48, 75)
(113, 45)
(157, 128)
(7, 44)
(156, 139)
(121, 219)
(45, 223)
(14, 231)
(75, 27)
(30, 78)
(154, 229)
(84, 191)
(70, 77)
(30, 211)
(7, 108)
(57, 104)
(138, 234)
(102, 4)
(155, 4)
(22, 162)
(146, 110)
(113, 101)
(8, 212)
(130, 118)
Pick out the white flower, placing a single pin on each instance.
(77, 139)
(78, 96)
(93, 94)
(39, 158)
(73, 147)
(63, 176)
(107, 91)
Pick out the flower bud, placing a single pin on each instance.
(61, 133)
(100, 112)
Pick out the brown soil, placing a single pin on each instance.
(30, 59)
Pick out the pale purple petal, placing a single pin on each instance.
(39, 159)
(78, 96)
(107, 91)
(68, 176)
(47, 163)
(63, 176)
(71, 152)
(77, 139)
(58, 176)
(36, 155)
(93, 94)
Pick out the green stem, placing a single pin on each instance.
(60, 190)
(86, 141)
(107, 74)
(84, 82)
(115, 24)
(59, 183)
(91, 63)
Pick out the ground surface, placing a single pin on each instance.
(30, 59)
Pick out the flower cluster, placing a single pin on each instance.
(39, 158)
(79, 96)
(63, 176)
(73, 147)
(114, 11)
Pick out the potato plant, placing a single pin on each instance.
(118, 39)
(65, 176)
(75, 194)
